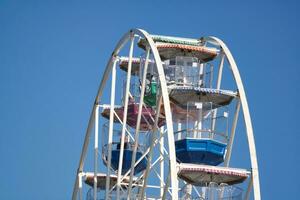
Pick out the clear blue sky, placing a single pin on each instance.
(53, 53)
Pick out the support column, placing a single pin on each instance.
(161, 148)
(247, 117)
(137, 130)
(232, 134)
(219, 80)
(125, 115)
(110, 130)
(96, 150)
(80, 185)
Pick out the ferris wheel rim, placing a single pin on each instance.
(245, 108)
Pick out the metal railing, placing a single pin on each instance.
(201, 123)
(201, 134)
(113, 195)
(117, 146)
(187, 71)
(213, 192)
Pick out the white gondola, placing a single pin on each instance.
(203, 174)
(101, 180)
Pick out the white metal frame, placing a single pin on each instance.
(246, 113)
(169, 123)
(137, 130)
(111, 121)
(171, 184)
(125, 114)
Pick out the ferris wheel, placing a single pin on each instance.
(163, 125)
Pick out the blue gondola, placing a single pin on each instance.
(200, 151)
(127, 157)
(203, 139)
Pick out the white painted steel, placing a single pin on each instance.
(172, 180)
(146, 173)
(80, 185)
(166, 187)
(247, 195)
(201, 73)
(161, 149)
(96, 151)
(232, 133)
(125, 115)
(166, 102)
(179, 131)
(110, 130)
(116, 51)
(169, 124)
(245, 108)
(219, 80)
(137, 130)
(220, 72)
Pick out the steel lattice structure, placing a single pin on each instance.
(167, 112)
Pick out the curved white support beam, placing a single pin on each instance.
(137, 130)
(152, 140)
(105, 76)
(245, 108)
(110, 130)
(166, 102)
(120, 166)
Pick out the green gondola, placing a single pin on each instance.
(151, 91)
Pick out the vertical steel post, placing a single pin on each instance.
(125, 115)
(146, 173)
(96, 150)
(166, 187)
(110, 131)
(137, 130)
(201, 75)
(199, 108)
(232, 133)
(247, 195)
(161, 148)
(219, 80)
(80, 185)
(179, 131)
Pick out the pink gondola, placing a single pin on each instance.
(147, 119)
